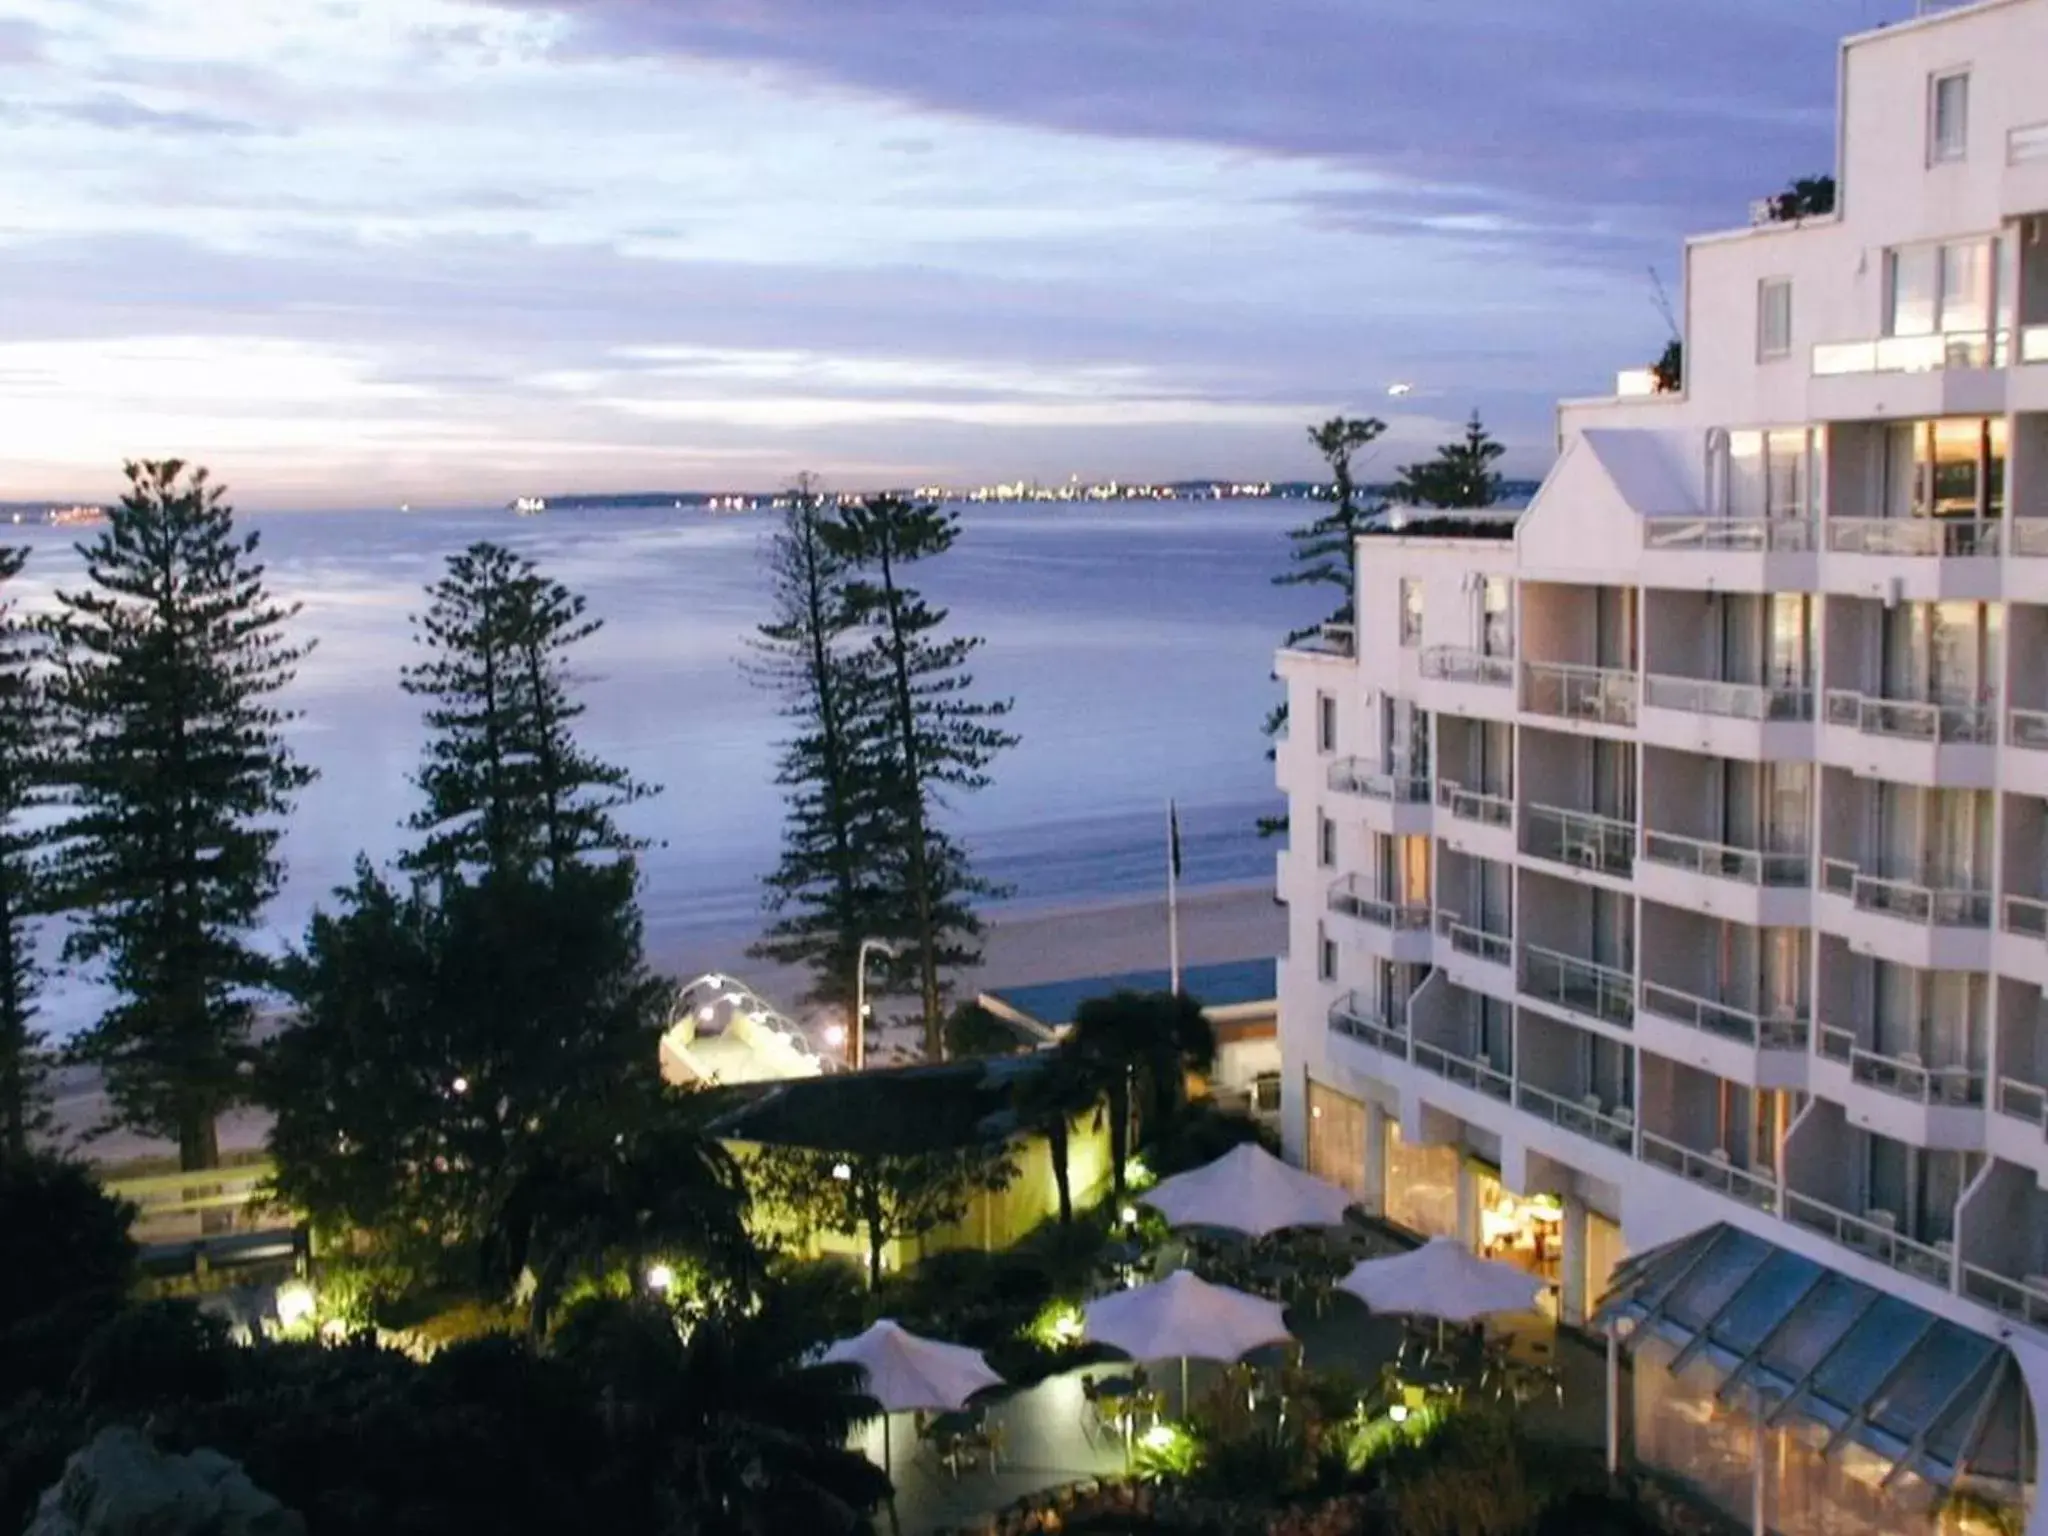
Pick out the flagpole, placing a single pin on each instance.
(1173, 897)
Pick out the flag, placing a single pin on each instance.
(1173, 837)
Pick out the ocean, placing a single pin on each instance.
(1135, 638)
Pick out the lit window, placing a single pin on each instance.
(1948, 128)
(1497, 629)
(1774, 317)
(1411, 612)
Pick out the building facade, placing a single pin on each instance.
(1668, 871)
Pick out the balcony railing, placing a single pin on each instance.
(1348, 897)
(1874, 1236)
(1911, 901)
(1599, 991)
(2028, 536)
(1352, 776)
(1602, 695)
(1912, 719)
(1461, 664)
(2025, 1299)
(1580, 839)
(1473, 1072)
(1712, 1169)
(2027, 728)
(1913, 354)
(1773, 1032)
(1730, 535)
(1494, 948)
(2023, 1100)
(1329, 640)
(1361, 1018)
(1587, 1116)
(1945, 538)
(1904, 1076)
(1475, 805)
(1722, 861)
(2026, 915)
(1734, 701)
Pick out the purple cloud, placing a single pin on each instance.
(1656, 113)
(21, 41)
(123, 114)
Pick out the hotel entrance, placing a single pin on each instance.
(1525, 1231)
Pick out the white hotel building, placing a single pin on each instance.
(1668, 885)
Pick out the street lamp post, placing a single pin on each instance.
(860, 995)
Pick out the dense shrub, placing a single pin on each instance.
(1200, 1134)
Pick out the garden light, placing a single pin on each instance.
(1158, 1437)
(835, 1034)
(294, 1303)
(661, 1279)
(842, 1171)
(1128, 1215)
(460, 1085)
(1398, 1413)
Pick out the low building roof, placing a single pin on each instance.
(1228, 984)
(1798, 1339)
(898, 1111)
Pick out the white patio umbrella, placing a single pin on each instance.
(1442, 1279)
(1248, 1190)
(1184, 1316)
(906, 1373)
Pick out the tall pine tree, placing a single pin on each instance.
(1325, 549)
(495, 1025)
(505, 783)
(169, 662)
(26, 832)
(926, 736)
(1461, 474)
(823, 894)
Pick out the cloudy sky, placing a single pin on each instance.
(356, 251)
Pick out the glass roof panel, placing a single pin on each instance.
(1716, 1278)
(1762, 1303)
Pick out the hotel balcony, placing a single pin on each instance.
(1458, 680)
(1584, 987)
(2023, 938)
(1575, 1081)
(2018, 1130)
(2026, 731)
(1450, 1042)
(1701, 1128)
(1828, 1190)
(1579, 840)
(1892, 378)
(1750, 722)
(1916, 919)
(1580, 695)
(1474, 822)
(1900, 1095)
(1380, 1029)
(2022, 942)
(1746, 885)
(1392, 803)
(2003, 1224)
(1913, 559)
(1755, 1049)
(1387, 929)
(1475, 958)
(1730, 554)
(2024, 766)
(2026, 565)
(1939, 743)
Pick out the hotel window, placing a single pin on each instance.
(1939, 289)
(1773, 318)
(1411, 612)
(1954, 467)
(1326, 841)
(1772, 474)
(1948, 117)
(1326, 723)
(1496, 623)
(1326, 955)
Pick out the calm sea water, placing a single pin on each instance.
(1136, 641)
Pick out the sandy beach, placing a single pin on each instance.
(1023, 946)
